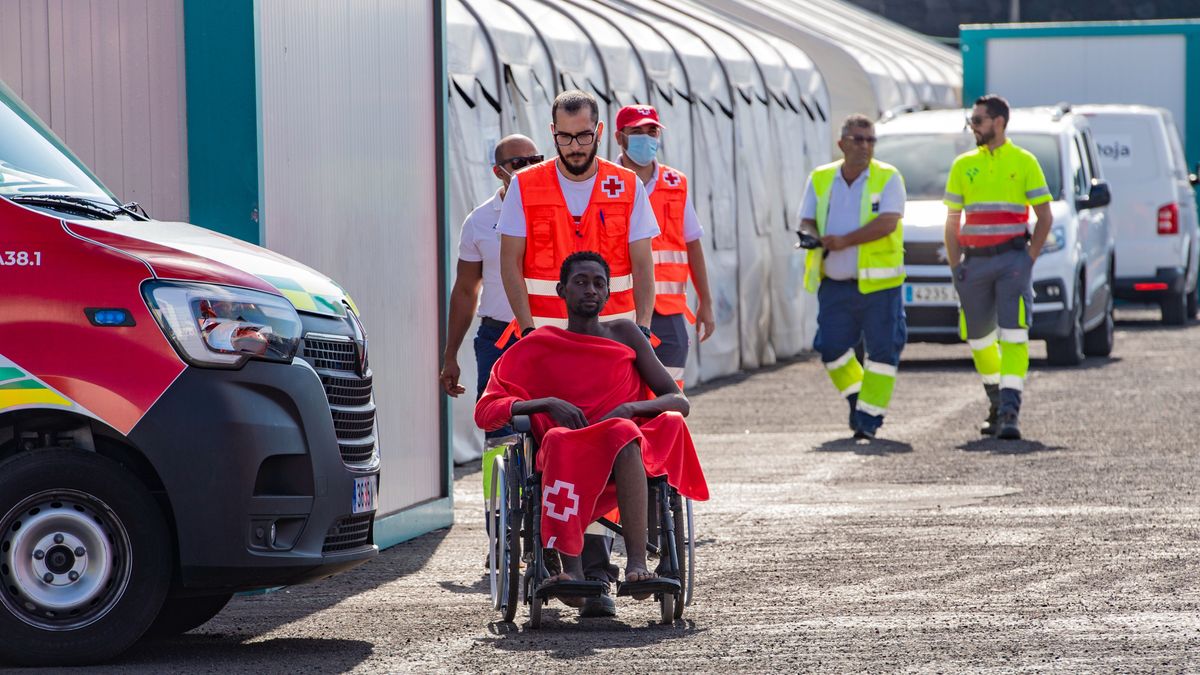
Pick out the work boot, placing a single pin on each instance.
(1007, 428)
(599, 606)
(990, 424)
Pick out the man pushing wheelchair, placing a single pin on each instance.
(606, 416)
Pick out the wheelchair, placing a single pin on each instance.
(514, 514)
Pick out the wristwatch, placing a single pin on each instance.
(645, 331)
(527, 331)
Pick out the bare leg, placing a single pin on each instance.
(630, 475)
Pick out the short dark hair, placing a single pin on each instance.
(564, 272)
(995, 104)
(572, 101)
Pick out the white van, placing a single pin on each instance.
(1072, 293)
(1153, 209)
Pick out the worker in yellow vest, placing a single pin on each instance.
(852, 208)
(991, 256)
(678, 252)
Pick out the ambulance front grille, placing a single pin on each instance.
(351, 402)
(347, 533)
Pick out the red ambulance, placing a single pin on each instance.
(182, 415)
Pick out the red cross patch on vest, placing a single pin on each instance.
(613, 187)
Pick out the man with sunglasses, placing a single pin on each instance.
(578, 202)
(991, 256)
(479, 267)
(678, 253)
(854, 207)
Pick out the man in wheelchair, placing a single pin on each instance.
(607, 416)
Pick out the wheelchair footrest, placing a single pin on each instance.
(568, 589)
(656, 585)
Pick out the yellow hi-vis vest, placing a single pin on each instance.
(880, 262)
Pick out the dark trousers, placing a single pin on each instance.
(486, 355)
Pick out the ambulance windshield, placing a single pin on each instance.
(34, 162)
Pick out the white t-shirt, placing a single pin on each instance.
(642, 224)
(845, 211)
(692, 230)
(480, 242)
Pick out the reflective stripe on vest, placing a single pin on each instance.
(671, 271)
(551, 234)
(880, 262)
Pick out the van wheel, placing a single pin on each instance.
(1068, 350)
(1174, 308)
(1193, 301)
(85, 558)
(180, 615)
(1099, 340)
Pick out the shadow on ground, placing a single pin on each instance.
(879, 446)
(563, 639)
(227, 653)
(998, 447)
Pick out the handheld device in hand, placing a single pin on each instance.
(807, 241)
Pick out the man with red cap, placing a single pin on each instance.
(678, 253)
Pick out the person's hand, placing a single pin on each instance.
(622, 411)
(833, 242)
(449, 378)
(1034, 252)
(705, 323)
(565, 413)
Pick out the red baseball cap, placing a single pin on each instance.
(637, 116)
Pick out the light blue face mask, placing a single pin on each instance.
(642, 149)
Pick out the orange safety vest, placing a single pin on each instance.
(671, 270)
(552, 234)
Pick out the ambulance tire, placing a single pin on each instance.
(180, 615)
(119, 569)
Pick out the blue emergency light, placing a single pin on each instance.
(109, 318)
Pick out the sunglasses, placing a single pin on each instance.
(518, 163)
(976, 120)
(869, 140)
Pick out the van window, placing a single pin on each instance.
(1078, 171)
(31, 161)
(1179, 160)
(924, 159)
(1130, 147)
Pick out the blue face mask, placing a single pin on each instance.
(642, 149)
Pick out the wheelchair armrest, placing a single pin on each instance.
(522, 424)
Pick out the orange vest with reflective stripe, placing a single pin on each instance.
(671, 270)
(552, 234)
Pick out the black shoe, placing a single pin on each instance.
(864, 434)
(990, 424)
(1007, 428)
(600, 606)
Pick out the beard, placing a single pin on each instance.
(984, 139)
(584, 159)
(587, 312)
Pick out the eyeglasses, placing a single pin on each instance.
(869, 140)
(976, 120)
(583, 138)
(518, 163)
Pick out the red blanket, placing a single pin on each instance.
(596, 374)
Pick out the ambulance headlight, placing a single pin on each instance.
(222, 326)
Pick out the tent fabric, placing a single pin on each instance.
(750, 91)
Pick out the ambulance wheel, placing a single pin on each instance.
(85, 558)
(180, 615)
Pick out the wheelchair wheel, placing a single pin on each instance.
(666, 602)
(497, 529)
(691, 555)
(683, 551)
(535, 612)
(511, 541)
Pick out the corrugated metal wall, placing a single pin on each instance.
(107, 76)
(349, 186)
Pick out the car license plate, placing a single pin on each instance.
(930, 294)
(366, 494)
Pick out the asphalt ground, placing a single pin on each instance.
(930, 550)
